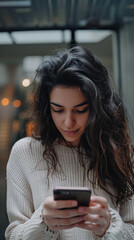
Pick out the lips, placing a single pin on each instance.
(70, 133)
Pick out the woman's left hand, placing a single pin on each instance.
(97, 217)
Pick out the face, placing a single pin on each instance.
(70, 112)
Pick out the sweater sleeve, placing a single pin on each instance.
(122, 223)
(25, 222)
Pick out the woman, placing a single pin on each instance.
(81, 138)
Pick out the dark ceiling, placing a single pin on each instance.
(64, 14)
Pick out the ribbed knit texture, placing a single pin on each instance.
(27, 189)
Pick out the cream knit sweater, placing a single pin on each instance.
(27, 188)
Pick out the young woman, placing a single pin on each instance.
(81, 139)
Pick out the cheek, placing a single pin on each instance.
(56, 119)
(83, 120)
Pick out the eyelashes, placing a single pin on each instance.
(57, 111)
(82, 111)
(76, 111)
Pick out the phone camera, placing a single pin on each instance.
(66, 193)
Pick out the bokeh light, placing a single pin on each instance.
(5, 101)
(26, 82)
(16, 103)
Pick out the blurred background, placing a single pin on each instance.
(31, 31)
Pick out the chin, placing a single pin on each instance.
(74, 143)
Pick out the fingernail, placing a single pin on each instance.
(74, 203)
(91, 204)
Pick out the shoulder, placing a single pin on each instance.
(24, 152)
(26, 144)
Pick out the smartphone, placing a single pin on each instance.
(80, 194)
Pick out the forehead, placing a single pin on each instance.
(67, 95)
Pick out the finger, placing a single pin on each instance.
(63, 204)
(98, 200)
(84, 225)
(99, 206)
(63, 221)
(97, 209)
(59, 204)
(96, 219)
(56, 213)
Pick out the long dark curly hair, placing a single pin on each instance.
(106, 140)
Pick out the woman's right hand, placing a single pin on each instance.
(57, 218)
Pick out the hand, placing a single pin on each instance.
(57, 219)
(97, 217)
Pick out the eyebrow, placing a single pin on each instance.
(78, 105)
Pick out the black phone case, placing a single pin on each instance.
(82, 195)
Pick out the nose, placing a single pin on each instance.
(69, 120)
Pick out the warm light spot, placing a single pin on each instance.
(16, 103)
(26, 82)
(29, 128)
(5, 101)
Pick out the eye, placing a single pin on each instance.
(82, 111)
(57, 111)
